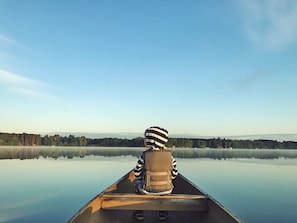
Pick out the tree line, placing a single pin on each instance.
(25, 139)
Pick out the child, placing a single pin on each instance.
(155, 168)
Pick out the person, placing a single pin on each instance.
(155, 168)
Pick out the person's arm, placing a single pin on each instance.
(174, 171)
(138, 170)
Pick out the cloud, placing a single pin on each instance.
(31, 92)
(271, 24)
(5, 39)
(23, 85)
(16, 83)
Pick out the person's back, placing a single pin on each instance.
(155, 168)
(158, 167)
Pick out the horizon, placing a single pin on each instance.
(129, 135)
(195, 68)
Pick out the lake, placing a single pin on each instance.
(52, 190)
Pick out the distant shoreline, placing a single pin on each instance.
(131, 135)
(24, 139)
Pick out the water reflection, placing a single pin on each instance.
(35, 152)
(48, 190)
(256, 190)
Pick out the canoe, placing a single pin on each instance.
(187, 203)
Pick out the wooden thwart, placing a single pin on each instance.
(173, 202)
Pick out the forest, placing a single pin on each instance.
(25, 139)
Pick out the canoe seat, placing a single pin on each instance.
(172, 202)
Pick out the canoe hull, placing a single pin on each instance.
(187, 203)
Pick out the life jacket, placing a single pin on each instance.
(158, 166)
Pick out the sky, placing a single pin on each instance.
(201, 68)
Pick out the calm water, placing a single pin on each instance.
(47, 190)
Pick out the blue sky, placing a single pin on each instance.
(203, 68)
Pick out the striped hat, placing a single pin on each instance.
(156, 136)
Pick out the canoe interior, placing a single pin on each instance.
(187, 203)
